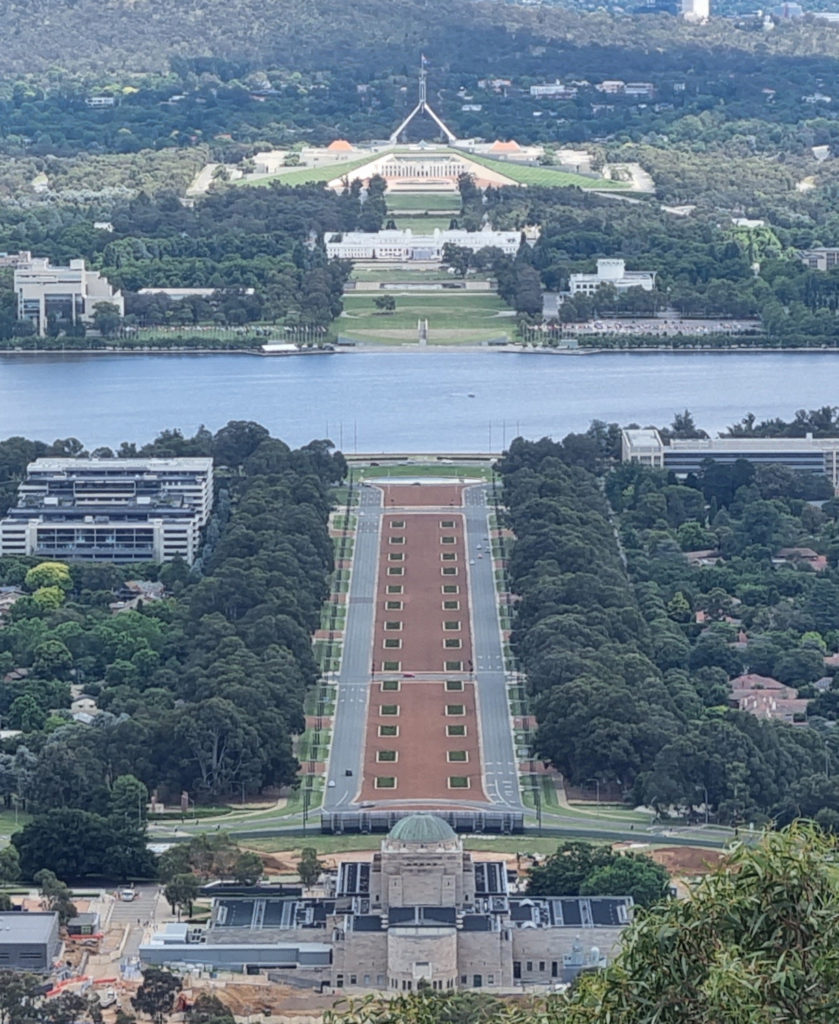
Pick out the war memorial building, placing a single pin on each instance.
(421, 912)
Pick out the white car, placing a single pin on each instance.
(331, 784)
(127, 895)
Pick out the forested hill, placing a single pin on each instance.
(118, 36)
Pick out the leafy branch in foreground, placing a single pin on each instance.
(756, 942)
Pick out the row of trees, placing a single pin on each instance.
(630, 682)
(199, 692)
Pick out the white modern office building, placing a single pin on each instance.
(612, 272)
(403, 246)
(806, 454)
(68, 294)
(110, 510)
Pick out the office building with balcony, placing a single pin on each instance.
(806, 454)
(110, 510)
(65, 294)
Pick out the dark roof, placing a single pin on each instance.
(84, 918)
(571, 911)
(490, 878)
(367, 923)
(428, 917)
(477, 923)
(232, 889)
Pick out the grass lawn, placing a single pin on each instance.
(8, 824)
(406, 273)
(421, 201)
(432, 469)
(548, 176)
(452, 317)
(302, 175)
(423, 225)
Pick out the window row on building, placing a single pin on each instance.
(110, 510)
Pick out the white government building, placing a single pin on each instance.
(613, 272)
(402, 246)
(66, 293)
(110, 510)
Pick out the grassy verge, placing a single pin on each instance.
(303, 175)
(549, 176)
(419, 202)
(432, 469)
(453, 317)
(11, 822)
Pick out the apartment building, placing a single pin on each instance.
(112, 510)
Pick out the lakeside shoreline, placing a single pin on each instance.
(412, 348)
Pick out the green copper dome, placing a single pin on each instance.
(422, 828)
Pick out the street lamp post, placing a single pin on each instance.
(537, 793)
(597, 793)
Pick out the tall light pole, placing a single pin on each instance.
(597, 792)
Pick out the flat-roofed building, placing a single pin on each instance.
(806, 454)
(823, 258)
(29, 941)
(65, 294)
(403, 246)
(611, 272)
(643, 446)
(557, 90)
(114, 510)
(420, 913)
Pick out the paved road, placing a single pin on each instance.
(348, 728)
(137, 915)
(500, 766)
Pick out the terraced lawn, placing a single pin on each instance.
(421, 201)
(549, 176)
(303, 175)
(452, 318)
(423, 225)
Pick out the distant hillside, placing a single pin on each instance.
(102, 37)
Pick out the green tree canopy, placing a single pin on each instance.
(756, 943)
(308, 866)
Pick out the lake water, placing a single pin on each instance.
(400, 401)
